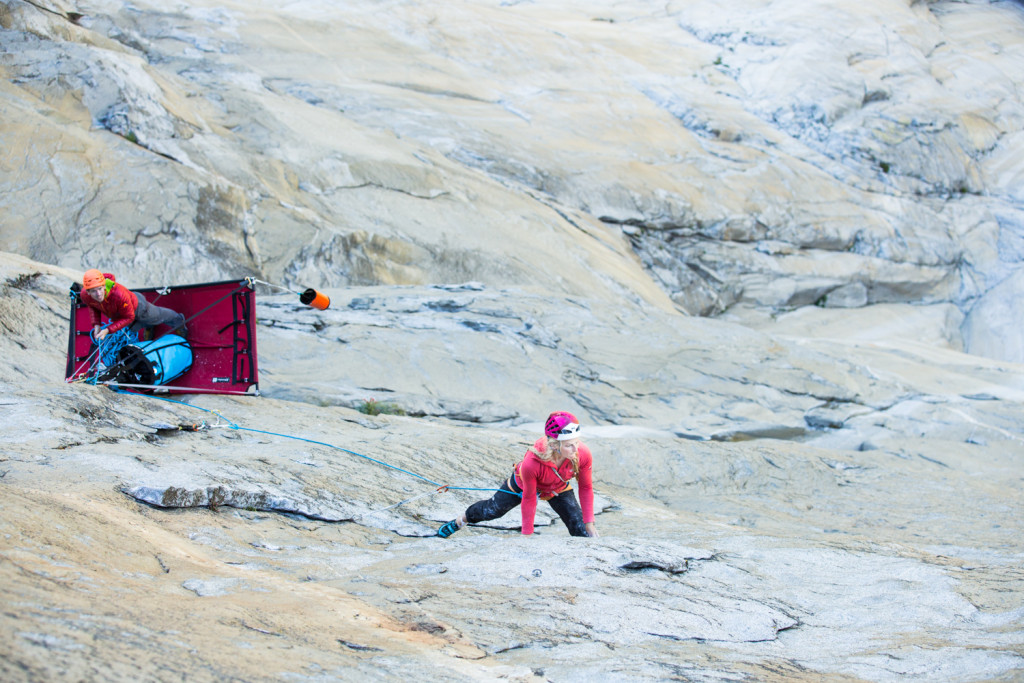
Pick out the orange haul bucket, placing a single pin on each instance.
(313, 298)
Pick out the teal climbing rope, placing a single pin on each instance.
(104, 354)
(111, 345)
(233, 425)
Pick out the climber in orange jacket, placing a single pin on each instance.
(103, 294)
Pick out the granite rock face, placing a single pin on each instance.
(788, 507)
(678, 152)
(770, 256)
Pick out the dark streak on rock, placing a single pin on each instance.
(356, 646)
(670, 568)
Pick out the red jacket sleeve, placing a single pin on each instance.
(528, 480)
(120, 307)
(586, 483)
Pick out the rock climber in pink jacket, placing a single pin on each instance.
(546, 471)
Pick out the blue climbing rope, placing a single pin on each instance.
(233, 425)
(111, 345)
(104, 354)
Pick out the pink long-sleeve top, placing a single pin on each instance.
(536, 477)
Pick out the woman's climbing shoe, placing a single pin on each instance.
(448, 528)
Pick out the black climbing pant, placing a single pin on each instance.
(506, 498)
(151, 315)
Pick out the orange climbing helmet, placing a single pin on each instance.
(93, 278)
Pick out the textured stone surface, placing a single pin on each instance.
(517, 207)
(815, 508)
(747, 156)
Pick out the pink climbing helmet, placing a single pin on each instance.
(561, 425)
